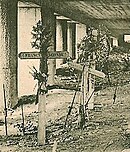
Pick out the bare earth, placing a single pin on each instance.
(106, 131)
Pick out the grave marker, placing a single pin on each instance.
(42, 96)
(88, 76)
(90, 70)
(50, 55)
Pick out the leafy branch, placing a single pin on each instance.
(41, 36)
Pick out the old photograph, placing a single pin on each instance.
(64, 76)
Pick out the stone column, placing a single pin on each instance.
(8, 50)
(49, 19)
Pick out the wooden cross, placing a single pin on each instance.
(87, 92)
(85, 78)
(42, 95)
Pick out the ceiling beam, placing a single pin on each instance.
(38, 2)
(63, 7)
(97, 1)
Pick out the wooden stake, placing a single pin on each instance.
(85, 84)
(85, 89)
(54, 146)
(22, 118)
(47, 67)
(42, 119)
(91, 83)
(6, 130)
(69, 112)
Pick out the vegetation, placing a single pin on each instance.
(41, 41)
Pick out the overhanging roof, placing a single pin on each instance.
(114, 14)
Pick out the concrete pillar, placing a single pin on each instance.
(72, 39)
(28, 16)
(115, 42)
(61, 39)
(80, 33)
(8, 50)
(64, 38)
(49, 19)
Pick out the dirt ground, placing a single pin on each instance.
(107, 129)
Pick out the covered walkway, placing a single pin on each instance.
(113, 14)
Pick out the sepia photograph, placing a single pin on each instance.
(64, 75)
